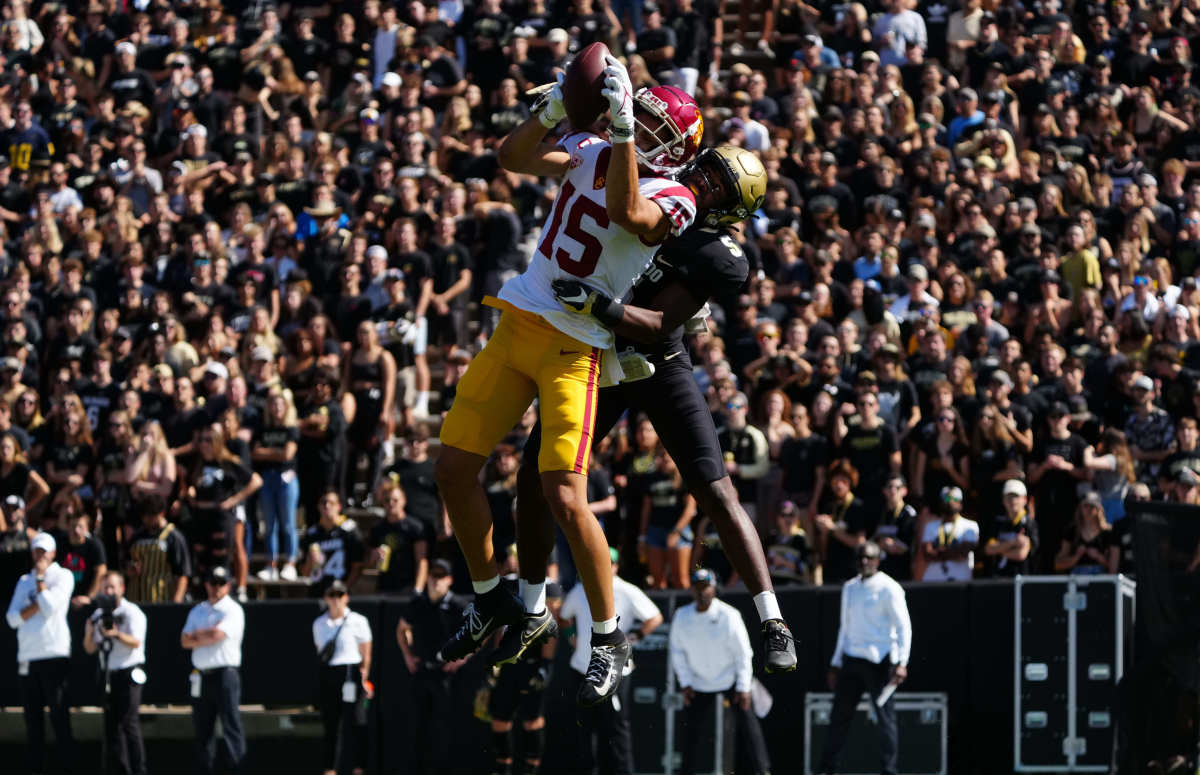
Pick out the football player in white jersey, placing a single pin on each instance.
(614, 206)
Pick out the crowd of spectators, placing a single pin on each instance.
(244, 246)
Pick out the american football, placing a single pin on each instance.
(582, 85)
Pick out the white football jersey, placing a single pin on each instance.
(579, 241)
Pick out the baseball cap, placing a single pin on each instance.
(11, 363)
(869, 56)
(1143, 383)
(262, 353)
(163, 370)
(704, 577)
(1000, 376)
(196, 130)
(43, 541)
(918, 272)
(391, 79)
(440, 567)
(926, 221)
(1014, 487)
(951, 494)
(125, 47)
(217, 370)
(337, 588)
(217, 575)
(14, 502)
(377, 250)
(1030, 228)
(558, 35)
(1058, 409)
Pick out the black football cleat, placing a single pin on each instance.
(604, 672)
(487, 614)
(779, 647)
(532, 630)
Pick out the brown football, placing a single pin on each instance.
(582, 84)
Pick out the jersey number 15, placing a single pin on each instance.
(592, 248)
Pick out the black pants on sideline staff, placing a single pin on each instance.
(432, 692)
(46, 685)
(856, 676)
(122, 727)
(748, 737)
(345, 741)
(604, 733)
(220, 692)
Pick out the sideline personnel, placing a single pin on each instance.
(38, 612)
(213, 632)
(120, 637)
(874, 640)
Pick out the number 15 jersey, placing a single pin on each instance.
(580, 242)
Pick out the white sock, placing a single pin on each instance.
(606, 627)
(767, 605)
(534, 596)
(422, 406)
(483, 587)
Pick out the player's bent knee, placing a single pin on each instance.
(455, 467)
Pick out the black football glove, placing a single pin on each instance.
(585, 300)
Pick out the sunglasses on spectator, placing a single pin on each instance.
(735, 405)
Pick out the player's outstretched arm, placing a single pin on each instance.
(674, 306)
(625, 204)
(524, 149)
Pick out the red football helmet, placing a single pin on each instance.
(669, 123)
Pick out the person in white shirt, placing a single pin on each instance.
(121, 643)
(873, 645)
(606, 726)
(949, 544)
(213, 632)
(343, 640)
(38, 612)
(710, 653)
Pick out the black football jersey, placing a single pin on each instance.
(707, 261)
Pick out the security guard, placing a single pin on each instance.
(121, 642)
(213, 632)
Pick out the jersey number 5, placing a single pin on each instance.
(586, 263)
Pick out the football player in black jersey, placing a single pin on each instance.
(729, 184)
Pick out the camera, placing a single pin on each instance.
(106, 605)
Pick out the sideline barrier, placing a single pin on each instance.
(962, 647)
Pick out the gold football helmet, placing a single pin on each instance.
(730, 184)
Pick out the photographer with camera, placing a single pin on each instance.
(38, 612)
(116, 630)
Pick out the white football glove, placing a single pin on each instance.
(552, 108)
(618, 90)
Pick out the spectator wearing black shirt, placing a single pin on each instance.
(1090, 545)
(1058, 465)
(842, 525)
(413, 471)
(400, 544)
(82, 554)
(322, 441)
(129, 83)
(1012, 538)
(273, 450)
(331, 549)
(803, 459)
(870, 446)
(15, 558)
(219, 483)
(789, 549)
(452, 278)
(895, 534)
